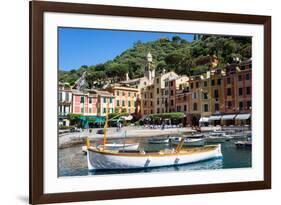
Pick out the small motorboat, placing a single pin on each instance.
(189, 142)
(218, 137)
(244, 144)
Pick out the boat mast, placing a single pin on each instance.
(105, 126)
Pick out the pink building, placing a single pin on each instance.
(85, 103)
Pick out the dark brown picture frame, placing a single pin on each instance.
(37, 9)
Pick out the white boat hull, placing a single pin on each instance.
(99, 160)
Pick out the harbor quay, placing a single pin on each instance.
(74, 138)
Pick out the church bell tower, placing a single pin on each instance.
(149, 71)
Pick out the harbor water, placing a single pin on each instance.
(72, 161)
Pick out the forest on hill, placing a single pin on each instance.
(177, 54)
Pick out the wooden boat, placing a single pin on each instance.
(101, 158)
(121, 159)
(158, 140)
(189, 142)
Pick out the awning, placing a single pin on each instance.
(243, 116)
(228, 117)
(214, 117)
(204, 119)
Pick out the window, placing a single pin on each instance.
(104, 99)
(158, 101)
(249, 104)
(191, 85)
(178, 108)
(158, 110)
(197, 84)
(157, 90)
(240, 91)
(205, 83)
(151, 95)
(157, 80)
(129, 94)
(144, 95)
(184, 98)
(135, 104)
(206, 107)
(229, 91)
(241, 105)
(90, 110)
(248, 76)
(228, 80)
(184, 108)
(248, 90)
(213, 82)
(194, 106)
(117, 93)
(205, 96)
(82, 110)
(118, 103)
(129, 103)
(172, 92)
(172, 103)
(216, 93)
(151, 103)
(104, 110)
(90, 100)
(82, 99)
(123, 103)
(229, 104)
(110, 100)
(239, 77)
(171, 83)
(67, 97)
(217, 107)
(60, 96)
(194, 95)
(219, 82)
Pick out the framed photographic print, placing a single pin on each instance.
(135, 102)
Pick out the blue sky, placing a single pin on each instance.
(93, 46)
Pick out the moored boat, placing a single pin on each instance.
(243, 144)
(190, 142)
(218, 137)
(121, 159)
(99, 158)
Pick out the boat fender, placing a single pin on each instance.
(177, 160)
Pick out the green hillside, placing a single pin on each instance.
(170, 54)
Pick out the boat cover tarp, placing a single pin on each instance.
(214, 117)
(242, 116)
(228, 117)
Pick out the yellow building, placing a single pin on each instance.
(125, 98)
